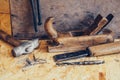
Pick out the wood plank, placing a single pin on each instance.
(13, 68)
(5, 23)
(4, 6)
(67, 18)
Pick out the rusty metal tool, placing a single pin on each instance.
(20, 48)
(93, 62)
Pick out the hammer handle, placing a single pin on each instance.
(105, 49)
(9, 39)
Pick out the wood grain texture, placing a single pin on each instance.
(13, 68)
(4, 6)
(70, 44)
(105, 49)
(69, 15)
(5, 23)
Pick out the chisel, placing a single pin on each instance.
(99, 50)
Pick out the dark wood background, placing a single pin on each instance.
(69, 15)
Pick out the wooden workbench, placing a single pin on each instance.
(13, 68)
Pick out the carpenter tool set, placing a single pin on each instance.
(89, 43)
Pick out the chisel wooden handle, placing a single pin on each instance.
(9, 39)
(105, 49)
(100, 26)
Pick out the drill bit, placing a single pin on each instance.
(96, 62)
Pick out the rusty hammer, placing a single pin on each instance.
(20, 48)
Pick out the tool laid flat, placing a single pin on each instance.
(72, 55)
(93, 62)
(70, 44)
(99, 50)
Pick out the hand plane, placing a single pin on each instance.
(73, 43)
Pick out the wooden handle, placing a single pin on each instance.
(50, 30)
(105, 49)
(9, 39)
(100, 26)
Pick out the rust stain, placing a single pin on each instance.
(102, 76)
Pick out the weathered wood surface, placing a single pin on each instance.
(12, 68)
(4, 6)
(69, 15)
(5, 16)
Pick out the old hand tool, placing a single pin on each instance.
(35, 4)
(99, 50)
(98, 24)
(9, 39)
(25, 47)
(71, 44)
(93, 62)
(69, 56)
(105, 49)
(34, 61)
(50, 30)
(20, 48)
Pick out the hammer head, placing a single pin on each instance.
(25, 48)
